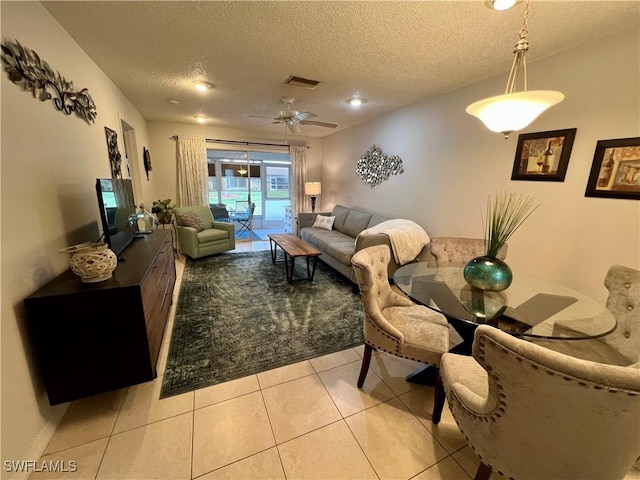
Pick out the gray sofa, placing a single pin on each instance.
(339, 244)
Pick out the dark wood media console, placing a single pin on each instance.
(93, 338)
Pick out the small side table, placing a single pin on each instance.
(174, 234)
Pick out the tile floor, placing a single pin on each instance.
(303, 421)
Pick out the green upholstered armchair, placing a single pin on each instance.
(195, 241)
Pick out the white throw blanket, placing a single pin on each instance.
(407, 238)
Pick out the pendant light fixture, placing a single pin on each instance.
(514, 110)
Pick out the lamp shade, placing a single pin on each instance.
(514, 111)
(312, 188)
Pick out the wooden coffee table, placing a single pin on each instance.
(293, 247)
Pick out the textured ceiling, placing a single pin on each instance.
(392, 53)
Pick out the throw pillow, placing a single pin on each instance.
(192, 220)
(324, 222)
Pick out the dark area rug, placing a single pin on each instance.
(237, 316)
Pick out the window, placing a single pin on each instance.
(263, 176)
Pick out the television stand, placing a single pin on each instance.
(91, 338)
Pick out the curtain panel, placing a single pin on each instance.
(192, 185)
(299, 201)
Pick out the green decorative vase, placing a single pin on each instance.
(487, 273)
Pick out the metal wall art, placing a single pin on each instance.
(25, 68)
(114, 154)
(375, 166)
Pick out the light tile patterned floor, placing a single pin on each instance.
(303, 421)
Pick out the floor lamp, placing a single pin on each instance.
(312, 189)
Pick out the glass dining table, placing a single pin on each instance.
(530, 308)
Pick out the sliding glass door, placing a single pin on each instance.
(261, 177)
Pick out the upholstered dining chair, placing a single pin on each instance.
(394, 324)
(531, 413)
(450, 251)
(199, 235)
(620, 347)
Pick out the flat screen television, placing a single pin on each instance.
(115, 198)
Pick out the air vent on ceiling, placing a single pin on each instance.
(301, 82)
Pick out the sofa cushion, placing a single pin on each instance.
(340, 213)
(355, 223)
(375, 220)
(192, 220)
(323, 221)
(338, 245)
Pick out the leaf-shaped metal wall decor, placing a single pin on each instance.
(26, 69)
(375, 166)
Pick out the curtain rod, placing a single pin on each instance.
(238, 142)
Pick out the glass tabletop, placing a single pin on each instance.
(530, 307)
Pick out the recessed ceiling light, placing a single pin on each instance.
(201, 118)
(356, 101)
(202, 86)
(501, 4)
(173, 101)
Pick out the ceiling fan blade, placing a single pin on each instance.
(293, 128)
(256, 116)
(305, 115)
(318, 124)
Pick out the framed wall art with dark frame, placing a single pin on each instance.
(615, 171)
(543, 156)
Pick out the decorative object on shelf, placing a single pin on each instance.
(375, 166)
(26, 69)
(146, 159)
(615, 172)
(115, 159)
(163, 210)
(505, 213)
(141, 221)
(513, 111)
(312, 189)
(543, 156)
(92, 262)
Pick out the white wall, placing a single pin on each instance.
(163, 150)
(50, 162)
(452, 163)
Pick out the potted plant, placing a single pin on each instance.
(505, 213)
(163, 210)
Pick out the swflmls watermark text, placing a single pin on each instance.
(61, 466)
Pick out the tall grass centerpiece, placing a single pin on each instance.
(506, 212)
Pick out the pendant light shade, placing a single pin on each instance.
(514, 110)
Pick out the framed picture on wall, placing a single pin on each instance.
(615, 171)
(543, 156)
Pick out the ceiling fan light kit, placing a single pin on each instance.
(514, 111)
(292, 119)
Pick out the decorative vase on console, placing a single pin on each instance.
(505, 214)
(92, 262)
(141, 221)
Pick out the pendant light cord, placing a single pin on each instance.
(520, 61)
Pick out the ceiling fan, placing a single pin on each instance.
(293, 119)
